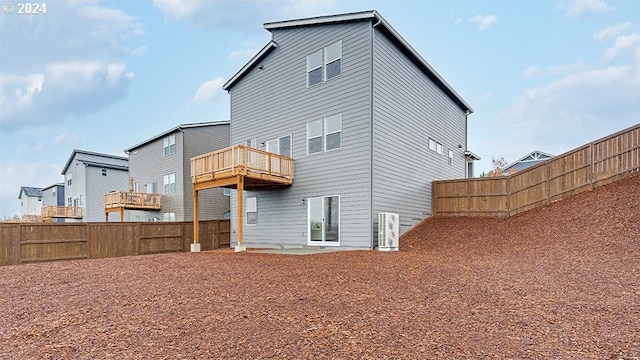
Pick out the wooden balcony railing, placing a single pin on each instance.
(31, 218)
(61, 212)
(260, 168)
(132, 200)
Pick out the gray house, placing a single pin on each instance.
(533, 158)
(161, 165)
(30, 201)
(368, 122)
(88, 176)
(53, 195)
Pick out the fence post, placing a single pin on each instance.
(509, 196)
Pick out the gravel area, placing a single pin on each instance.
(561, 282)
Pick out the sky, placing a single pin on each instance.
(547, 75)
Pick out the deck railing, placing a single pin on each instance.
(241, 160)
(31, 218)
(61, 212)
(132, 200)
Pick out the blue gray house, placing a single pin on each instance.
(53, 196)
(533, 158)
(367, 122)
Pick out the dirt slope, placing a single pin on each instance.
(560, 282)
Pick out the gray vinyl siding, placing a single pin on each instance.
(212, 203)
(275, 101)
(148, 164)
(408, 108)
(99, 185)
(89, 188)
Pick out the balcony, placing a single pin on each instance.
(31, 218)
(129, 200)
(257, 168)
(238, 167)
(71, 212)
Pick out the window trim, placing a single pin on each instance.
(325, 133)
(168, 146)
(251, 206)
(314, 137)
(309, 69)
(327, 61)
(167, 182)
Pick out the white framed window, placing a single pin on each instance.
(53, 192)
(69, 182)
(332, 60)
(280, 146)
(324, 64)
(170, 216)
(314, 137)
(432, 144)
(136, 187)
(69, 202)
(252, 143)
(439, 148)
(251, 211)
(450, 156)
(333, 132)
(314, 68)
(226, 191)
(170, 145)
(169, 183)
(152, 187)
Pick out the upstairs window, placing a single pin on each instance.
(169, 183)
(333, 132)
(152, 187)
(314, 68)
(314, 137)
(69, 179)
(332, 57)
(329, 129)
(324, 64)
(170, 145)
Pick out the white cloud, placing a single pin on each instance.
(225, 13)
(623, 43)
(66, 138)
(531, 71)
(208, 90)
(611, 31)
(575, 108)
(245, 53)
(69, 88)
(484, 22)
(30, 148)
(583, 7)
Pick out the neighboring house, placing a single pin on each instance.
(88, 176)
(533, 158)
(368, 122)
(161, 164)
(30, 201)
(53, 195)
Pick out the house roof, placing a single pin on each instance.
(471, 156)
(104, 165)
(175, 129)
(52, 185)
(30, 191)
(535, 156)
(378, 22)
(76, 151)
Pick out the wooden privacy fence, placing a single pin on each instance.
(595, 164)
(36, 242)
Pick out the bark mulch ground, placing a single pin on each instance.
(561, 282)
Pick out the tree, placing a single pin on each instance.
(498, 165)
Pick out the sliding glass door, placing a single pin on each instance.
(324, 220)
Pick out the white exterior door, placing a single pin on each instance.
(324, 221)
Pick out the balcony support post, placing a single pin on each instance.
(240, 187)
(195, 246)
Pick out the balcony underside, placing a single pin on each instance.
(253, 180)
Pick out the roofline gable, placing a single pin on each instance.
(526, 156)
(175, 129)
(77, 151)
(380, 23)
(249, 65)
